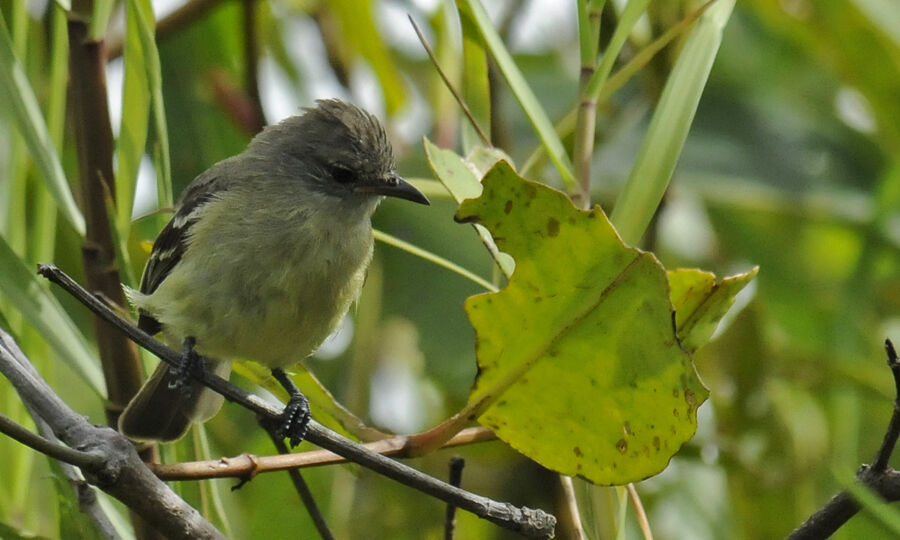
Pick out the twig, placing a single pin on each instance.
(87, 498)
(456, 468)
(248, 465)
(893, 431)
(121, 473)
(878, 477)
(570, 504)
(303, 490)
(462, 103)
(88, 502)
(55, 450)
(526, 521)
(639, 512)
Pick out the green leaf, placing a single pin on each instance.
(359, 29)
(432, 258)
(99, 18)
(17, 99)
(32, 299)
(146, 24)
(132, 139)
(884, 15)
(73, 522)
(669, 127)
(700, 302)
(8, 532)
(460, 177)
(541, 123)
(630, 15)
(476, 86)
(42, 241)
(579, 365)
(326, 408)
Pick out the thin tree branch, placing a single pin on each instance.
(570, 504)
(878, 477)
(456, 468)
(122, 367)
(893, 431)
(462, 103)
(303, 490)
(121, 473)
(526, 521)
(88, 502)
(247, 465)
(639, 512)
(49, 448)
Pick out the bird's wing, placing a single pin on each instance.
(172, 241)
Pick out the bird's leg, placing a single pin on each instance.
(190, 362)
(295, 417)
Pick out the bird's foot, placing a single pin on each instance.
(189, 364)
(296, 416)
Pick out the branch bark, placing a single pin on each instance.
(878, 477)
(116, 467)
(246, 465)
(526, 521)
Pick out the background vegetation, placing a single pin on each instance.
(792, 163)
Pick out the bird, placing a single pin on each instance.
(261, 260)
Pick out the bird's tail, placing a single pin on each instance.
(163, 411)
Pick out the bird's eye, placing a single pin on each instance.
(342, 175)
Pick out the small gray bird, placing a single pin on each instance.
(262, 259)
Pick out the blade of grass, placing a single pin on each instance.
(100, 18)
(43, 236)
(884, 15)
(135, 118)
(359, 30)
(622, 498)
(17, 98)
(585, 121)
(633, 11)
(18, 463)
(41, 309)
(566, 125)
(669, 126)
(583, 147)
(15, 227)
(211, 492)
(482, 136)
(871, 502)
(476, 87)
(431, 257)
(462, 182)
(589, 31)
(524, 95)
(147, 26)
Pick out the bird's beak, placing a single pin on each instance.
(394, 186)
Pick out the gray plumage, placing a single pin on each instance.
(265, 253)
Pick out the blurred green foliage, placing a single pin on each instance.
(792, 163)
